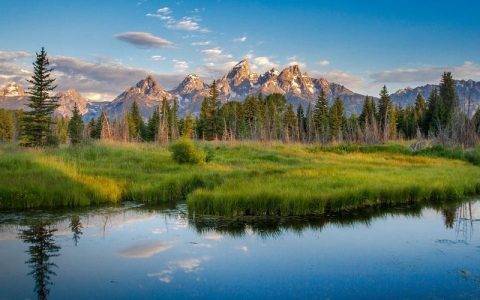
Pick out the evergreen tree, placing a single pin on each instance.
(153, 125)
(7, 126)
(384, 108)
(208, 115)
(321, 118)
(337, 118)
(368, 115)
(290, 125)
(75, 126)
(449, 100)
(37, 122)
(136, 127)
(420, 108)
(92, 125)
(301, 123)
(432, 115)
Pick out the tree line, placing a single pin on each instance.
(258, 117)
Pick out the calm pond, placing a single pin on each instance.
(134, 252)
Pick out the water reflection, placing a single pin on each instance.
(41, 249)
(176, 244)
(76, 228)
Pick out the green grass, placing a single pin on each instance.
(239, 179)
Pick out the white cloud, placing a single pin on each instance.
(323, 63)
(468, 70)
(185, 23)
(262, 63)
(143, 39)
(180, 66)
(351, 81)
(13, 55)
(215, 55)
(240, 39)
(145, 250)
(294, 60)
(201, 43)
(158, 58)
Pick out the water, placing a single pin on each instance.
(133, 252)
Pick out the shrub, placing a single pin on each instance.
(185, 151)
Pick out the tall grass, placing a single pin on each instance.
(241, 178)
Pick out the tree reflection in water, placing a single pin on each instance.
(466, 218)
(76, 228)
(41, 249)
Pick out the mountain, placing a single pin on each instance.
(67, 100)
(147, 93)
(240, 82)
(13, 97)
(12, 89)
(468, 91)
(299, 89)
(190, 93)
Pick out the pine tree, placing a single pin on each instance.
(290, 125)
(92, 125)
(136, 127)
(420, 108)
(449, 100)
(301, 123)
(337, 118)
(7, 126)
(321, 118)
(164, 126)
(384, 108)
(75, 126)
(37, 122)
(368, 115)
(153, 125)
(208, 115)
(432, 121)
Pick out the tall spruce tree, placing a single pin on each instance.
(384, 109)
(420, 108)
(337, 117)
(321, 118)
(37, 122)
(75, 126)
(209, 116)
(432, 121)
(449, 100)
(136, 127)
(153, 125)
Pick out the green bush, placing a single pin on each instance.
(184, 151)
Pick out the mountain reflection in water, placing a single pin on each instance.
(169, 245)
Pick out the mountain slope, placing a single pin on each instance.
(468, 92)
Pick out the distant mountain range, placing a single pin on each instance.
(238, 83)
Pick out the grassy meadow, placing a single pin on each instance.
(242, 178)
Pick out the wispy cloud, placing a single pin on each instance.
(262, 63)
(145, 250)
(215, 54)
(240, 39)
(468, 70)
(323, 62)
(294, 60)
(201, 43)
(157, 58)
(13, 55)
(185, 23)
(180, 66)
(144, 39)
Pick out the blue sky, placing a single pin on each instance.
(101, 47)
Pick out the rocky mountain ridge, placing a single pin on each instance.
(238, 83)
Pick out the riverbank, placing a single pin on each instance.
(239, 179)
